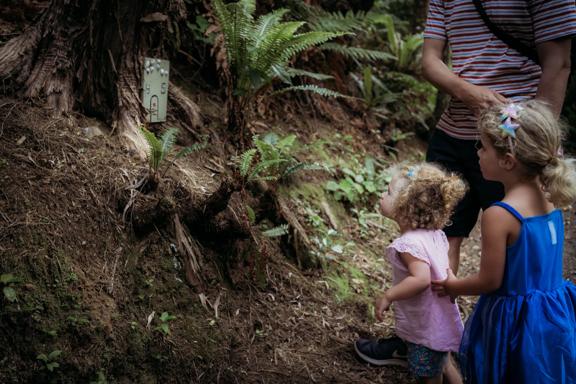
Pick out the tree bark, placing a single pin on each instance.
(87, 55)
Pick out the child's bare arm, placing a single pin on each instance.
(417, 282)
(497, 224)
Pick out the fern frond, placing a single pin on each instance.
(266, 150)
(154, 148)
(249, 5)
(246, 161)
(293, 72)
(265, 23)
(191, 149)
(273, 46)
(235, 20)
(265, 165)
(311, 88)
(278, 231)
(168, 139)
(286, 143)
(339, 22)
(304, 41)
(357, 52)
(303, 167)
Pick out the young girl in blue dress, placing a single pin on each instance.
(523, 328)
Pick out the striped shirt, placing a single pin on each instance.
(481, 58)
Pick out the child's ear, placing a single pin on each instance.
(508, 162)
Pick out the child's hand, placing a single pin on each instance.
(443, 287)
(381, 305)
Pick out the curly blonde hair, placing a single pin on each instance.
(427, 197)
(536, 146)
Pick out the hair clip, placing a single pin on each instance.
(411, 172)
(509, 114)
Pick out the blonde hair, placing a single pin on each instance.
(427, 197)
(537, 145)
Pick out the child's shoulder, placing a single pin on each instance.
(421, 235)
(418, 241)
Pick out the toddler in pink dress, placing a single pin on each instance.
(420, 198)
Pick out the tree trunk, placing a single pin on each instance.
(87, 55)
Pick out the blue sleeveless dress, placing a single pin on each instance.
(525, 332)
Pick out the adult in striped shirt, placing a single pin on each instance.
(485, 71)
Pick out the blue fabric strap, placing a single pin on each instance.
(509, 209)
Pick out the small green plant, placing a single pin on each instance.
(77, 321)
(374, 93)
(50, 360)
(100, 378)
(406, 50)
(165, 319)
(271, 159)
(341, 284)
(278, 231)
(8, 281)
(360, 183)
(160, 148)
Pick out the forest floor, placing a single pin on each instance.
(94, 291)
(96, 302)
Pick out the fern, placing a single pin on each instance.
(275, 160)
(339, 22)
(168, 140)
(191, 149)
(246, 161)
(154, 149)
(258, 51)
(293, 72)
(312, 88)
(158, 150)
(266, 166)
(278, 231)
(358, 53)
(303, 167)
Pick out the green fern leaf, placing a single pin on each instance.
(273, 46)
(246, 161)
(168, 140)
(303, 167)
(266, 166)
(154, 148)
(191, 149)
(312, 88)
(265, 23)
(266, 150)
(293, 72)
(286, 143)
(304, 41)
(278, 231)
(339, 22)
(358, 53)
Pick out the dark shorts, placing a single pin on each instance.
(425, 362)
(460, 156)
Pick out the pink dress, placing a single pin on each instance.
(425, 319)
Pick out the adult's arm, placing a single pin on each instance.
(477, 98)
(554, 59)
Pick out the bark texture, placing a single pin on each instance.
(87, 55)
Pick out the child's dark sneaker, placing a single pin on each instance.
(382, 352)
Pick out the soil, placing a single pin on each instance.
(118, 303)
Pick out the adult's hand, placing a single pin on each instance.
(478, 98)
